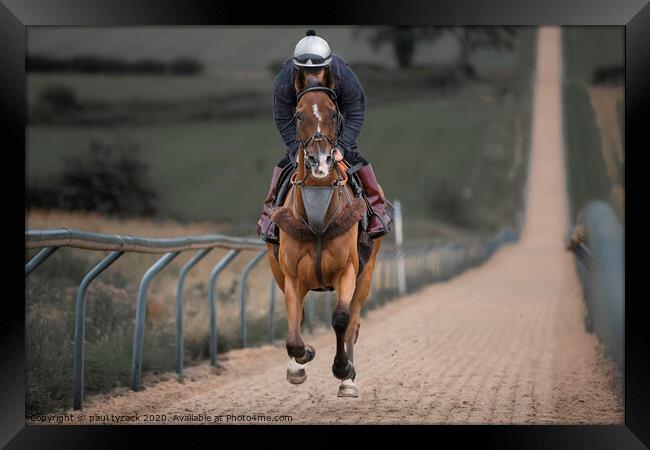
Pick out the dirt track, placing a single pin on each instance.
(502, 343)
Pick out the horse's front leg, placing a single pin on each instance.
(342, 367)
(299, 353)
(348, 388)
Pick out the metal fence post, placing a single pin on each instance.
(180, 300)
(221, 265)
(242, 298)
(399, 237)
(38, 259)
(79, 326)
(140, 313)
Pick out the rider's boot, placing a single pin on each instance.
(266, 229)
(380, 222)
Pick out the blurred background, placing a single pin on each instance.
(168, 131)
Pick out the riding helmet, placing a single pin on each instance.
(312, 51)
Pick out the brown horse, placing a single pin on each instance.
(319, 199)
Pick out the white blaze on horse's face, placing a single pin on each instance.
(323, 169)
(314, 108)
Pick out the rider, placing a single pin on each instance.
(312, 55)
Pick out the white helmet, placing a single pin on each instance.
(312, 51)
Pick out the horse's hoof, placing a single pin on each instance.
(296, 373)
(348, 389)
(297, 377)
(344, 373)
(310, 353)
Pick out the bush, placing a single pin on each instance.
(107, 65)
(609, 75)
(107, 178)
(185, 66)
(148, 66)
(59, 98)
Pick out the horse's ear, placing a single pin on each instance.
(329, 78)
(300, 81)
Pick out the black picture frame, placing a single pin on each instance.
(634, 15)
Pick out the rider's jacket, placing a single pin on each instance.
(351, 102)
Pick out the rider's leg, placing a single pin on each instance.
(266, 229)
(380, 222)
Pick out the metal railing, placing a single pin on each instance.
(422, 264)
(429, 263)
(600, 263)
(51, 240)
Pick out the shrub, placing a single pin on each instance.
(147, 66)
(59, 98)
(107, 178)
(185, 66)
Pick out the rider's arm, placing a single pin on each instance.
(283, 109)
(352, 103)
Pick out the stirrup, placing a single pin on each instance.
(378, 234)
(269, 238)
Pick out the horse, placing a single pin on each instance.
(319, 238)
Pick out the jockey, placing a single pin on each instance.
(312, 55)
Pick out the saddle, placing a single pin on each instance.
(360, 211)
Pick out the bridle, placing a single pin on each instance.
(318, 137)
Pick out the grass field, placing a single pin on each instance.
(133, 88)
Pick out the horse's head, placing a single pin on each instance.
(317, 119)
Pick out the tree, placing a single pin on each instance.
(474, 38)
(404, 40)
